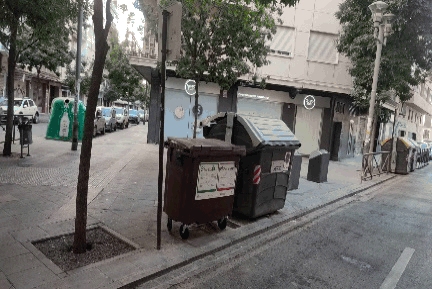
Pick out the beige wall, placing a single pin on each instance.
(298, 69)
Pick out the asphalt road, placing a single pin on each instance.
(378, 240)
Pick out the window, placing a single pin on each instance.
(414, 136)
(402, 133)
(283, 41)
(322, 47)
(31, 103)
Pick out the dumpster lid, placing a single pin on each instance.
(406, 142)
(204, 146)
(262, 131)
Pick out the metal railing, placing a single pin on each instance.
(371, 167)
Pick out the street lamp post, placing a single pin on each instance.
(382, 28)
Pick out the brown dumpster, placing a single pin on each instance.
(200, 181)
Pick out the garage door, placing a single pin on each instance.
(308, 128)
(259, 108)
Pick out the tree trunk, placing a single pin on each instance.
(7, 149)
(196, 108)
(80, 242)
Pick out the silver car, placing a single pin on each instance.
(99, 123)
(110, 118)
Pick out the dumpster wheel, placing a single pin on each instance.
(184, 232)
(169, 225)
(222, 223)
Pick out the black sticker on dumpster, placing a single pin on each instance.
(215, 180)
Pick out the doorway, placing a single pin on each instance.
(337, 130)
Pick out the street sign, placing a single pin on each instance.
(309, 102)
(173, 31)
(190, 87)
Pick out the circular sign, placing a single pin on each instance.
(309, 102)
(179, 112)
(190, 87)
(198, 111)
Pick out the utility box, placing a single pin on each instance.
(200, 181)
(318, 166)
(294, 178)
(264, 173)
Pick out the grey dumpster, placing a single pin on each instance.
(294, 178)
(264, 172)
(405, 154)
(415, 154)
(318, 166)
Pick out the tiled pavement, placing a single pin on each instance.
(37, 200)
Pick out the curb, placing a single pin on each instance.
(303, 213)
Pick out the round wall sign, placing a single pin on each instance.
(309, 102)
(179, 112)
(198, 111)
(190, 87)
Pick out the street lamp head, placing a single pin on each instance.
(387, 18)
(378, 7)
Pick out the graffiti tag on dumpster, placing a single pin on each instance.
(215, 180)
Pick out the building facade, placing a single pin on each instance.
(305, 68)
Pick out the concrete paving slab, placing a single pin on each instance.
(19, 263)
(33, 277)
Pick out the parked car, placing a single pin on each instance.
(99, 123)
(429, 148)
(24, 106)
(122, 117)
(146, 116)
(134, 116)
(141, 115)
(109, 114)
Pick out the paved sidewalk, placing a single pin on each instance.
(37, 200)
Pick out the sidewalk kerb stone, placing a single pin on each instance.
(119, 236)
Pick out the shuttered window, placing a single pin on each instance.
(283, 41)
(322, 47)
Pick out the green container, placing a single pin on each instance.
(61, 120)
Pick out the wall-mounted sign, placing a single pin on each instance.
(309, 102)
(252, 96)
(190, 87)
(179, 112)
(215, 180)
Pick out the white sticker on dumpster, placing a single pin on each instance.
(278, 166)
(215, 180)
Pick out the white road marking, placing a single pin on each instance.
(397, 270)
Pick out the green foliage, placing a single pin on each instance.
(405, 59)
(50, 54)
(223, 40)
(40, 22)
(151, 12)
(125, 82)
(70, 80)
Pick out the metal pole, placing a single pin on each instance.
(367, 146)
(162, 120)
(393, 145)
(77, 76)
